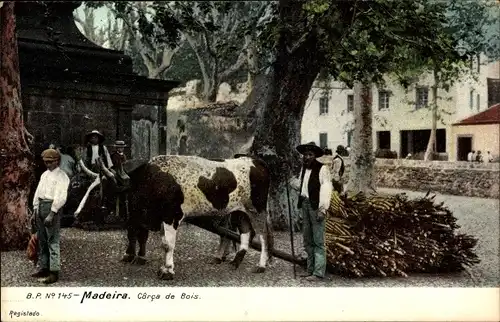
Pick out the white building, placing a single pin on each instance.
(401, 119)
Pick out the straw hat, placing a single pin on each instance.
(94, 132)
(119, 144)
(311, 146)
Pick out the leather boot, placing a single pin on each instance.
(41, 273)
(52, 278)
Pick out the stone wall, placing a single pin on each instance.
(456, 178)
(66, 120)
(189, 96)
(144, 143)
(212, 131)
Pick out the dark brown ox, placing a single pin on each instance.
(168, 190)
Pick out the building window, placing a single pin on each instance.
(323, 105)
(323, 140)
(349, 137)
(422, 98)
(478, 63)
(471, 99)
(384, 140)
(477, 102)
(350, 103)
(383, 100)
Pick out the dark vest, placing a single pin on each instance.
(100, 153)
(313, 186)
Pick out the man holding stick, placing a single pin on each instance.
(315, 191)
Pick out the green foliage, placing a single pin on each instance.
(186, 66)
(156, 22)
(317, 6)
(356, 40)
(217, 27)
(385, 34)
(463, 32)
(363, 40)
(477, 26)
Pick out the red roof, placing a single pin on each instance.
(489, 116)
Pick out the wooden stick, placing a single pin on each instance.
(207, 223)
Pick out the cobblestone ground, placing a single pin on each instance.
(91, 258)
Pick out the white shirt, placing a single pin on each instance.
(489, 157)
(326, 186)
(53, 185)
(469, 156)
(95, 155)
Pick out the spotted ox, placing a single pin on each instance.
(168, 190)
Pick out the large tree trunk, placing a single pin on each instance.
(278, 130)
(361, 174)
(252, 61)
(431, 145)
(211, 96)
(15, 157)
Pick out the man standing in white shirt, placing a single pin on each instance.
(50, 197)
(314, 200)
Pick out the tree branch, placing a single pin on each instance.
(236, 66)
(166, 61)
(297, 44)
(201, 62)
(208, 43)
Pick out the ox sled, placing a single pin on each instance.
(391, 235)
(170, 189)
(93, 208)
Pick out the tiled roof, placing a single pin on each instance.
(489, 116)
(218, 108)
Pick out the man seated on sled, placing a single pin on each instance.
(118, 158)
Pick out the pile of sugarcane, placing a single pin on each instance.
(379, 235)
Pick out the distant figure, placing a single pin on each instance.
(470, 156)
(408, 156)
(489, 157)
(479, 156)
(67, 163)
(183, 145)
(474, 156)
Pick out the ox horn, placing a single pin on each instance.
(105, 170)
(86, 170)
